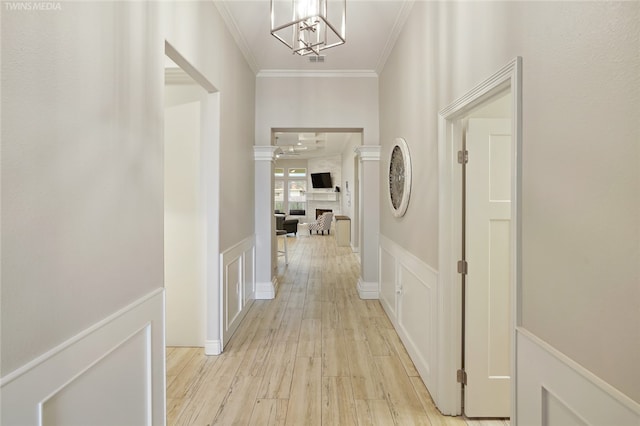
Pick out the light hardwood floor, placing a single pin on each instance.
(315, 355)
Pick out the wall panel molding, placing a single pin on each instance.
(237, 277)
(130, 342)
(554, 390)
(408, 289)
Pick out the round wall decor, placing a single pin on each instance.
(399, 177)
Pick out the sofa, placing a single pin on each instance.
(289, 225)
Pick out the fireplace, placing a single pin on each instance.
(321, 211)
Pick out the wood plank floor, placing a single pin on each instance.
(315, 355)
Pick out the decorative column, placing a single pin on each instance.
(266, 282)
(368, 283)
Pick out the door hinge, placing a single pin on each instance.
(463, 157)
(463, 267)
(462, 377)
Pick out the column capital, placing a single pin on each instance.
(264, 153)
(368, 152)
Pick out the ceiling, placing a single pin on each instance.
(372, 27)
(304, 145)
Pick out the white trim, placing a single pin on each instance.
(317, 74)
(546, 373)
(407, 258)
(188, 68)
(212, 347)
(145, 330)
(266, 290)
(177, 76)
(237, 35)
(210, 212)
(398, 26)
(264, 153)
(137, 328)
(368, 290)
(368, 152)
(412, 275)
(448, 395)
(237, 253)
(239, 248)
(5, 380)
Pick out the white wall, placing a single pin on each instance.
(183, 222)
(207, 46)
(82, 209)
(340, 103)
(282, 102)
(82, 193)
(333, 166)
(581, 234)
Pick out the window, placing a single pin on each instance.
(279, 195)
(297, 195)
(297, 173)
(290, 190)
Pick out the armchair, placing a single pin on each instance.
(323, 223)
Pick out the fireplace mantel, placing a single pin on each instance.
(322, 196)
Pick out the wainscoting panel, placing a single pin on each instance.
(105, 378)
(409, 297)
(388, 281)
(249, 275)
(111, 373)
(237, 285)
(233, 297)
(417, 316)
(553, 390)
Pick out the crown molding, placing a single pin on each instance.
(233, 28)
(317, 73)
(401, 19)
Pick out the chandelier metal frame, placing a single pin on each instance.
(310, 28)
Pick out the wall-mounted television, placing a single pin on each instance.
(321, 180)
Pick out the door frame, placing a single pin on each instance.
(448, 397)
(209, 193)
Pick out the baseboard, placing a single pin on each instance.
(212, 347)
(66, 384)
(554, 390)
(266, 290)
(368, 290)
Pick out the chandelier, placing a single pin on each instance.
(309, 26)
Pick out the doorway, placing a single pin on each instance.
(479, 143)
(326, 151)
(192, 291)
(183, 222)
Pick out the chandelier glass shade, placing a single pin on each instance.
(309, 26)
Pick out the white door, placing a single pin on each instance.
(488, 255)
